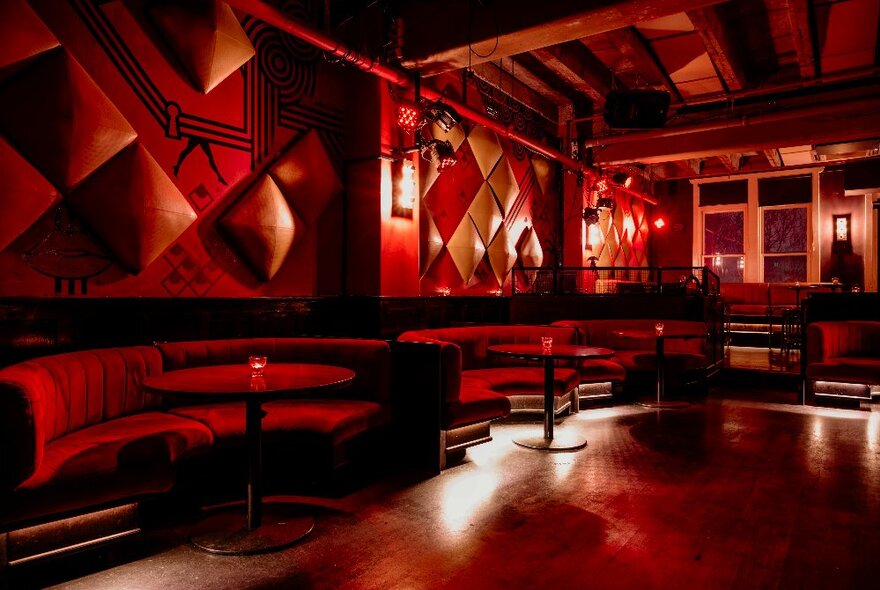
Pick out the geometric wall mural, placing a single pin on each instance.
(474, 213)
(122, 122)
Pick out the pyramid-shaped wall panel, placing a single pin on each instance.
(24, 194)
(206, 38)
(306, 176)
(24, 36)
(58, 118)
(132, 205)
(262, 227)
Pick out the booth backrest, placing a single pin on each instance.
(475, 340)
(46, 398)
(450, 361)
(370, 359)
(783, 295)
(600, 333)
(854, 338)
(745, 293)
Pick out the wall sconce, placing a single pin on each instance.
(659, 223)
(842, 242)
(403, 196)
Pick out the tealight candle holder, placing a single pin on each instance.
(547, 343)
(257, 363)
(658, 328)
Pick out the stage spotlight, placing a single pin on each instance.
(444, 115)
(604, 203)
(410, 117)
(622, 179)
(591, 215)
(439, 153)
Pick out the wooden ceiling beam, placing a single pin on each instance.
(837, 121)
(532, 72)
(774, 158)
(634, 48)
(500, 78)
(719, 46)
(798, 12)
(579, 68)
(731, 162)
(453, 34)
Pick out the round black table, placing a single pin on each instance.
(661, 338)
(268, 531)
(536, 352)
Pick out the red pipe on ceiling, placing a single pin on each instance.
(275, 17)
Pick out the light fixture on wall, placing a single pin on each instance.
(842, 242)
(591, 215)
(403, 196)
(409, 116)
(412, 116)
(659, 223)
(622, 179)
(444, 115)
(604, 203)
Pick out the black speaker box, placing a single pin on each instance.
(636, 109)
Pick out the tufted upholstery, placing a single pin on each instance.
(69, 420)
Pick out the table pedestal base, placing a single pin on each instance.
(665, 404)
(227, 533)
(560, 442)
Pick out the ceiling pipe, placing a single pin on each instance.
(725, 98)
(743, 121)
(302, 30)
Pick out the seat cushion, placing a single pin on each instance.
(124, 457)
(847, 370)
(474, 383)
(475, 405)
(337, 420)
(525, 380)
(597, 370)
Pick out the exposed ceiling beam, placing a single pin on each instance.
(634, 48)
(531, 71)
(579, 68)
(821, 123)
(802, 36)
(731, 162)
(774, 157)
(500, 78)
(449, 35)
(721, 49)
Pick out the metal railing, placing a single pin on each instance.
(606, 280)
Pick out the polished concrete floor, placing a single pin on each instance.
(730, 493)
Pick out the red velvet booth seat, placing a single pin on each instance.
(78, 432)
(842, 359)
(686, 359)
(521, 381)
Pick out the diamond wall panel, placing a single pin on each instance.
(59, 119)
(502, 255)
(487, 150)
(206, 38)
(505, 186)
(453, 192)
(306, 176)
(132, 205)
(530, 251)
(262, 227)
(485, 213)
(24, 194)
(432, 244)
(466, 248)
(24, 36)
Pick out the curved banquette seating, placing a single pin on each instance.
(842, 359)
(78, 432)
(686, 361)
(522, 382)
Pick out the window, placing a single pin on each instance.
(784, 244)
(723, 244)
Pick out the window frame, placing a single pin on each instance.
(809, 238)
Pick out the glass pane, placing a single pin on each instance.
(785, 230)
(728, 268)
(785, 269)
(723, 233)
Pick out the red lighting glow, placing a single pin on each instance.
(409, 116)
(659, 223)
